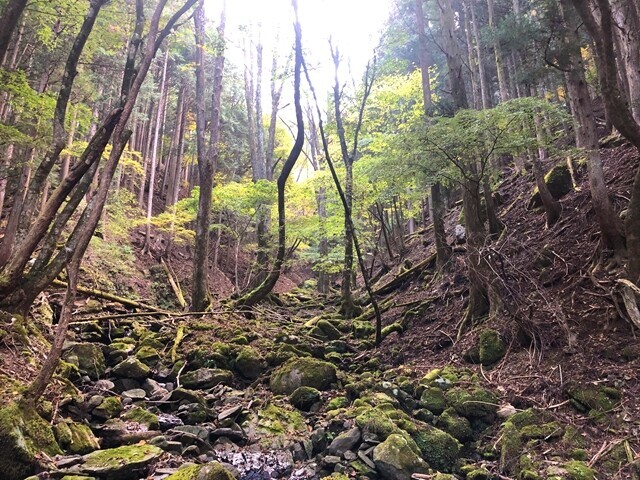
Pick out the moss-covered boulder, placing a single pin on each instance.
(276, 425)
(491, 348)
(476, 404)
(148, 355)
(377, 422)
(109, 408)
(249, 363)
(303, 398)
(143, 417)
(326, 329)
(432, 399)
(302, 372)
(510, 449)
(75, 438)
(206, 378)
(88, 357)
(395, 458)
(438, 448)
(594, 399)
(24, 436)
(362, 329)
(559, 182)
(131, 368)
(122, 463)
(210, 471)
(578, 470)
(338, 402)
(455, 425)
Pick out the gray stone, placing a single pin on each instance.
(395, 458)
(345, 441)
(135, 394)
(88, 357)
(131, 368)
(299, 372)
(206, 378)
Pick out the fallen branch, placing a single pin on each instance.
(175, 286)
(113, 298)
(405, 276)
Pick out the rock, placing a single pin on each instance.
(143, 417)
(76, 438)
(206, 378)
(345, 441)
(432, 399)
(167, 421)
(77, 477)
(559, 182)
(395, 459)
(594, 399)
(118, 351)
(193, 413)
(338, 402)
(148, 355)
(298, 372)
(109, 408)
(578, 470)
(303, 398)
(491, 347)
(88, 357)
(362, 329)
(184, 395)
(376, 422)
(24, 435)
(455, 425)
(135, 394)
(460, 234)
(510, 449)
(438, 448)
(210, 471)
(328, 330)
(249, 363)
(131, 368)
(476, 404)
(122, 463)
(154, 390)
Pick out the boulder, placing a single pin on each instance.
(249, 363)
(438, 448)
(210, 471)
(24, 436)
(432, 399)
(476, 404)
(88, 357)
(76, 438)
(148, 355)
(110, 407)
(345, 441)
(491, 347)
(558, 179)
(299, 372)
(122, 463)
(206, 378)
(395, 458)
(131, 368)
(303, 398)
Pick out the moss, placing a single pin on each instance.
(432, 399)
(143, 417)
(438, 448)
(303, 398)
(62, 432)
(374, 420)
(210, 471)
(559, 182)
(82, 439)
(299, 372)
(240, 340)
(362, 329)
(396, 458)
(475, 404)
(529, 475)
(68, 370)
(579, 454)
(148, 355)
(328, 330)
(491, 347)
(119, 463)
(338, 402)
(578, 470)
(283, 353)
(530, 416)
(249, 363)
(88, 357)
(542, 432)
(456, 426)
(479, 474)
(595, 399)
(109, 408)
(77, 477)
(510, 449)
(24, 435)
(278, 420)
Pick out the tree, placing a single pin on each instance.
(9, 19)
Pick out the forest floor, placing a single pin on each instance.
(560, 356)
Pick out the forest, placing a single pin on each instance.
(373, 240)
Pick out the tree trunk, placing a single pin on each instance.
(9, 19)
(425, 57)
(484, 88)
(497, 48)
(551, 206)
(443, 251)
(473, 64)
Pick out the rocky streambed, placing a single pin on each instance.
(261, 400)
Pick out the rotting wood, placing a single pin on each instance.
(176, 343)
(405, 276)
(113, 298)
(628, 291)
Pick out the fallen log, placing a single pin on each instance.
(405, 276)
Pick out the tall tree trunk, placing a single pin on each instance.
(207, 160)
(473, 64)
(154, 153)
(425, 57)
(9, 19)
(484, 88)
(627, 33)
(497, 48)
(587, 135)
(551, 206)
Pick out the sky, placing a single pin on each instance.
(354, 25)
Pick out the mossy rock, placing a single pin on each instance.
(480, 474)
(476, 404)
(148, 355)
(328, 330)
(338, 402)
(284, 352)
(491, 348)
(122, 463)
(455, 425)
(249, 363)
(143, 417)
(277, 420)
(362, 329)
(594, 399)
(24, 436)
(131, 368)
(438, 448)
(432, 399)
(530, 416)
(88, 357)
(303, 398)
(82, 439)
(395, 458)
(546, 431)
(299, 372)
(578, 470)
(376, 421)
(559, 182)
(510, 449)
(109, 408)
(206, 378)
(67, 370)
(210, 471)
